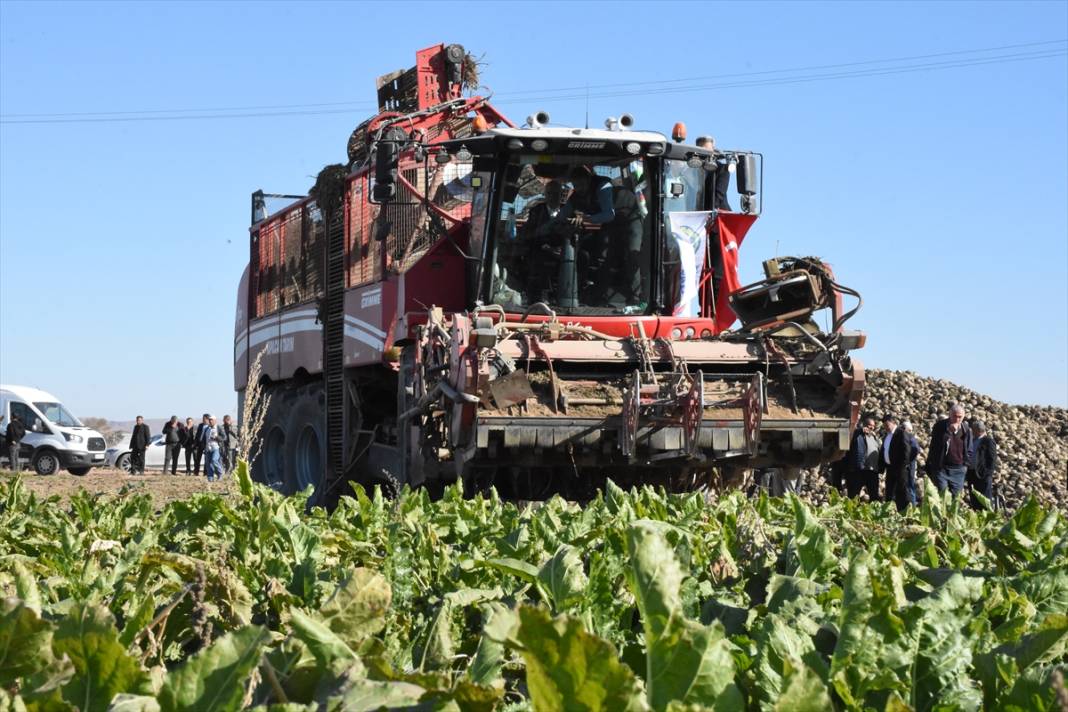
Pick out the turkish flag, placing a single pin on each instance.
(732, 230)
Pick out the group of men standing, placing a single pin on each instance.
(214, 443)
(960, 454)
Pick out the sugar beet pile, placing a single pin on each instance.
(1032, 440)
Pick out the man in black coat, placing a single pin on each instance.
(188, 444)
(16, 431)
(901, 468)
(139, 440)
(986, 463)
(947, 455)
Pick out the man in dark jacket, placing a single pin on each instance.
(864, 453)
(16, 431)
(172, 444)
(986, 463)
(139, 440)
(189, 442)
(947, 456)
(889, 428)
(227, 444)
(901, 468)
(198, 445)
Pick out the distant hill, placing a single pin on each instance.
(113, 430)
(154, 424)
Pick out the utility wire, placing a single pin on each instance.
(311, 110)
(882, 71)
(791, 69)
(353, 104)
(519, 92)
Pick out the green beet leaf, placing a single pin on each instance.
(570, 670)
(357, 609)
(563, 577)
(804, 691)
(25, 642)
(102, 667)
(692, 663)
(213, 679)
(325, 645)
(655, 577)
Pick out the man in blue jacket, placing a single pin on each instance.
(947, 455)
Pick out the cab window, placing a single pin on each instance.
(56, 413)
(572, 235)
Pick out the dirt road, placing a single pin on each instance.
(162, 488)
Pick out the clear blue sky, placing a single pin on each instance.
(941, 195)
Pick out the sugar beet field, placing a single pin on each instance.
(241, 599)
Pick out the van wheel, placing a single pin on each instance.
(123, 463)
(79, 471)
(46, 462)
(306, 438)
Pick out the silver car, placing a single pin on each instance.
(118, 455)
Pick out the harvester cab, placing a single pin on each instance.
(582, 222)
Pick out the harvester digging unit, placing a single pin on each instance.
(535, 308)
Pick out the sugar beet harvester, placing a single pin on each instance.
(534, 308)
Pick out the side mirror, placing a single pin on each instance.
(747, 174)
(37, 427)
(387, 156)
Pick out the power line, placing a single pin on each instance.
(188, 117)
(881, 71)
(352, 104)
(309, 110)
(370, 105)
(792, 69)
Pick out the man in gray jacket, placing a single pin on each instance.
(228, 444)
(172, 444)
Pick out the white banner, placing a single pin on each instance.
(688, 230)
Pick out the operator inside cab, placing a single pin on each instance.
(591, 203)
(577, 250)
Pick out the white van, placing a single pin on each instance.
(55, 439)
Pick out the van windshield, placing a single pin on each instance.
(56, 413)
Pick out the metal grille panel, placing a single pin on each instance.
(364, 251)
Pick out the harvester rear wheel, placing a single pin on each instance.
(268, 463)
(305, 438)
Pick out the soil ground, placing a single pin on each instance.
(162, 488)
